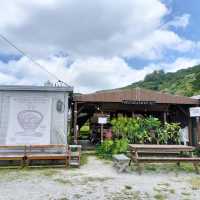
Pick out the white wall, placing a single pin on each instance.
(58, 125)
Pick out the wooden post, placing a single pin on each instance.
(198, 130)
(75, 123)
(190, 131)
(165, 117)
(101, 133)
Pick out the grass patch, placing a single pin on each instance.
(84, 159)
(125, 194)
(13, 174)
(167, 168)
(96, 179)
(172, 191)
(162, 190)
(85, 155)
(48, 172)
(77, 196)
(157, 189)
(63, 181)
(160, 196)
(164, 184)
(128, 187)
(185, 193)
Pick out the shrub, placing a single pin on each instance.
(105, 149)
(109, 147)
(173, 132)
(197, 151)
(120, 146)
(147, 130)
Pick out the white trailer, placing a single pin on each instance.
(33, 114)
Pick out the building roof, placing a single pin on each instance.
(35, 88)
(136, 94)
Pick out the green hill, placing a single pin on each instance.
(184, 82)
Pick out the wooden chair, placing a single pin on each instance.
(74, 153)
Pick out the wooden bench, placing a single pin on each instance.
(13, 153)
(163, 154)
(47, 152)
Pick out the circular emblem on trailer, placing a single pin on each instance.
(60, 106)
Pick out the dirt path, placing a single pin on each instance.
(96, 180)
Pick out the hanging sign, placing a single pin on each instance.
(195, 112)
(102, 120)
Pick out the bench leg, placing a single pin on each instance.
(123, 167)
(139, 168)
(178, 164)
(130, 162)
(66, 163)
(22, 163)
(196, 167)
(28, 162)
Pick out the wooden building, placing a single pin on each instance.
(131, 102)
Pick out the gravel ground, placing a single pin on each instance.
(96, 180)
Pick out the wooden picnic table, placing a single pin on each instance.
(160, 148)
(148, 153)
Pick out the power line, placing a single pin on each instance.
(30, 58)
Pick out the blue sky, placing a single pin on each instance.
(191, 32)
(191, 7)
(97, 44)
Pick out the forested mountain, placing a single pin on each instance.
(184, 82)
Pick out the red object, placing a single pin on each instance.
(108, 134)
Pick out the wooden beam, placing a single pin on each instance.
(190, 131)
(165, 117)
(198, 130)
(75, 123)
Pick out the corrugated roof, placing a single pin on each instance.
(35, 88)
(136, 94)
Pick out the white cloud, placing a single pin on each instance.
(97, 36)
(179, 21)
(85, 75)
(180, 63)
(160, 40)
(91, 28)
(7, 79)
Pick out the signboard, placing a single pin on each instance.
(29, 120)
(138, 102)
(102, 120)
(195, 112)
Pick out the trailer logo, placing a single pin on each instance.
(29, 121)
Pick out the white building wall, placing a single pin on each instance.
(58, 125)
